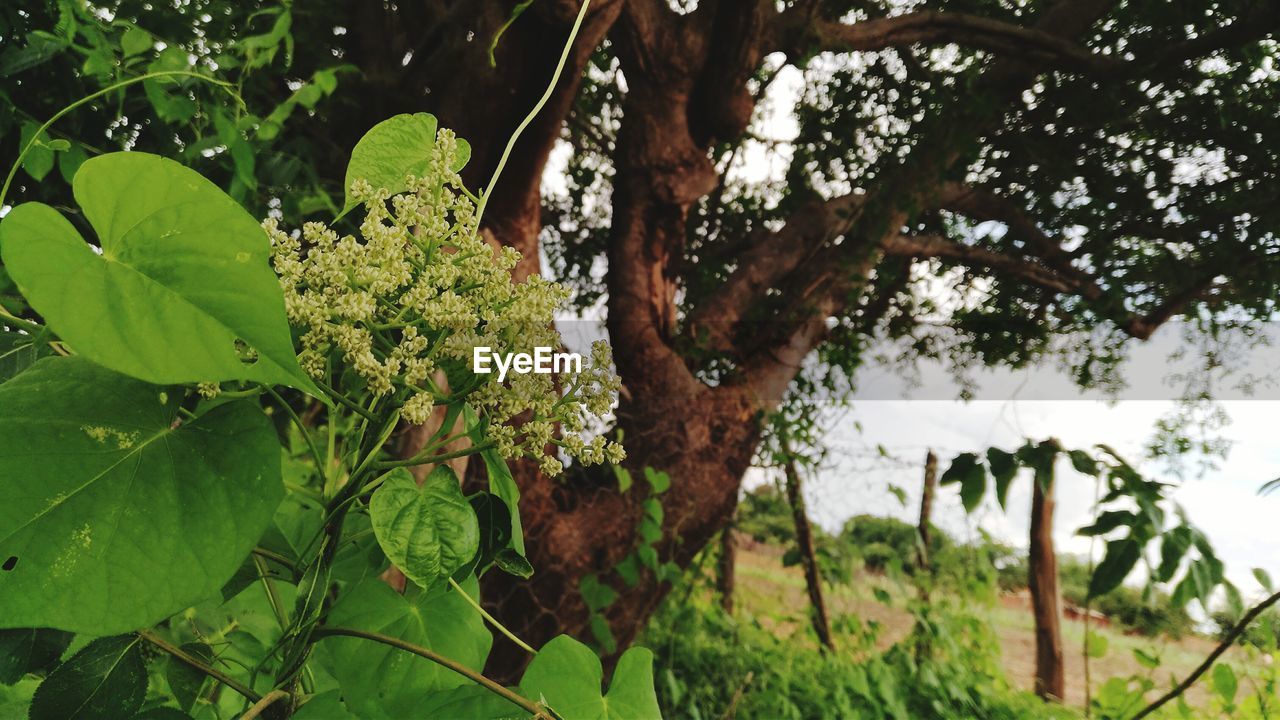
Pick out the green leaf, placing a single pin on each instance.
(107, 497)
(624, 478)
(70, 161)
(596, 594)
(1173, 547)
(136, 41)
(1225, 683)
(19, 351)
(467, 701)
(380, 681)
(966, 470)
(399, 146)
(1004, 466)
(495, 528)
(29, 650)
(325, 706)
(513, 563)
(659, 481)
(39, 159)
(181, 287)
(1146, 659)
(1083, 463)
(185, 681)
(428, 531)
(501, 483)
(58, 145)
(107, 679)
(1095, 645)
(1121, 556)
(1107, 522)
(567, 676)
(1263, 578)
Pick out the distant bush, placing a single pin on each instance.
(1147, 612)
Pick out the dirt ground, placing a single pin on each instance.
(775, 595)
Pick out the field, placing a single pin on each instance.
(775, 595)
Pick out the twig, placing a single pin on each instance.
(491, 619)
(540, 712)
(737, 696)
(542, 101)
(1222, 647)
(264, 703)
(193, 662)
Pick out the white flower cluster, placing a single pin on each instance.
(415, 293)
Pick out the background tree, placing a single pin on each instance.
(1083, 170)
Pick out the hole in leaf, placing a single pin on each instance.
(247, 354)
(11, 563)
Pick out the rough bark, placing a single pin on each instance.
(808, 556)
(1050, 682)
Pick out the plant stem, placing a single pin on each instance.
(388, 464)
(276, 558)
(539, 711)
(302, 428)
(1222, 647)
(346, 402)
(218, 675)
(491, 619)
(20, 323)
(542, 101)
(264, 703)
(35, 138)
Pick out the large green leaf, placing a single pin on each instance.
(567, 676)
(397, 147)
(29, 650)
(380, 681)
(181, 291)
(115, 515)
(107, 679)
(427, 530)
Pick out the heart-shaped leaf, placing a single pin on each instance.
(380, 681)
(397, 147)
(428, 531)
(116, 516)
(566, 675)
(181, 291)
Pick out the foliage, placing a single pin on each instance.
(705, 659)
(1129, 502)
(162, 455)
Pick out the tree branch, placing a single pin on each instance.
(934, 27)
(1222, 647)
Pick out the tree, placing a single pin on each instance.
(1119, 146)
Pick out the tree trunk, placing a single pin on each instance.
(924, 572)
(808, 558)
(1050, 683)
(926, 512)
(728, 561)
(687, 92)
